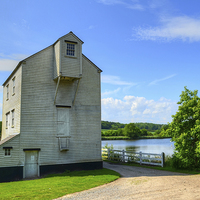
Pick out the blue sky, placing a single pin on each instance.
(148, 50)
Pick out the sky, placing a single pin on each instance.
(148, 49)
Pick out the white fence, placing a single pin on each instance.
(138, 157)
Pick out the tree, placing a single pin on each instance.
(132, 131)
(185, 131)
(144, 132)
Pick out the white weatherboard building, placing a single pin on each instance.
(51, 113)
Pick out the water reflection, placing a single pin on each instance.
(144, 145)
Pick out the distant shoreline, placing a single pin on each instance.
(126, 138)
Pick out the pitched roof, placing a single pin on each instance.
(19, 64)
(91, 62)
(8, 138)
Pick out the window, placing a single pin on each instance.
(13, 85)
(70, 49)
(7, 92)
(13, 118)
(7, 151)
(7, 119)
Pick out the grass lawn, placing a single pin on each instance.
(56, 185)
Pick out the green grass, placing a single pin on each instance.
(56, 185)
(115, 138)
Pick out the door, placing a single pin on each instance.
(31, 164)
(63, 121)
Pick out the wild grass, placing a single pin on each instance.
(56, 185)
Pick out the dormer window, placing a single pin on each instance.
(71, 48)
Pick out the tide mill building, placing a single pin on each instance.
(51, 120)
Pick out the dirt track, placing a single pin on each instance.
(142, 183)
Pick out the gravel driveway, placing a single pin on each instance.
(142, 183)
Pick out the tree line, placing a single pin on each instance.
(141, 125)
(132, 130)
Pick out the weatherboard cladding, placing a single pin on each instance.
(13, 160)
(39, 114)
(13, 103)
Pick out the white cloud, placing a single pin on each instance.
(131, 5)
(1, 89)
(138, 109)
(110, 92)
(182, 28)
(162, 79)
(7, 65)
(115, 80)
(9, 62)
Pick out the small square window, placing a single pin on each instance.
(7, 151)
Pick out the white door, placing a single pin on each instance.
(31, 164)
(63, 121)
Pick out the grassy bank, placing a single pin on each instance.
(127, 138)
(56, 185)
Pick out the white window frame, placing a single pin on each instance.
(13, 86)
(7, 152)
(7, 93)
(70, 49)
(69, 45)
(13, 118)
(7, 119)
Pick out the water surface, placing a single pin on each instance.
(145, 145)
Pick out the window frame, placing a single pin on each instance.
(7, 151)
(13, 88)
(13, 118)
(7, 92)
(72, 50)
(7, 119)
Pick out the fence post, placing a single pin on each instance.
(123, 157)
(140, 157)
(108, 150)
(163, 159)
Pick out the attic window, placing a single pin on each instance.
(70, 49)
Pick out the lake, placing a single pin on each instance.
(145, 145)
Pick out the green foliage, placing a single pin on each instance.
(144, 132)
(132, 131)
(185, 131)
(57, 185)
(140, 125)
(163, 132)
(111, 125)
